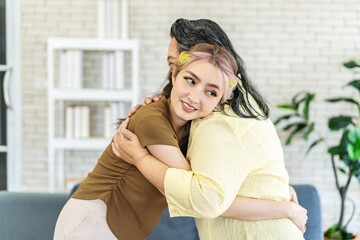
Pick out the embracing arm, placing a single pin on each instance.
(242, 208)
(127, 146)
(162, 153)
(152, 170)
(256, 209)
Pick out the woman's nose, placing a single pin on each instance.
(194, 96)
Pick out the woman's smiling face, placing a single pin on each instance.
(197, 90)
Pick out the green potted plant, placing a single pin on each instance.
(346, 154)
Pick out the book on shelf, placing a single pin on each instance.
(101, 18)
(108, 18)
(111, 69)
(112, 76)
(119, 69)
(107, 122)
(104, 71)
(78, 68)
(115, 20)
(69, 121)
(112, 113)
(85, 120)
(70, 69)
(77, 122)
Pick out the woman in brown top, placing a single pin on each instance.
(115, 200)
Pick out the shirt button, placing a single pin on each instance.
(187, 213)
(174, 211)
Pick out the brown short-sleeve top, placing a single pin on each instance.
(134, 205)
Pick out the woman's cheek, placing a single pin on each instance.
(210, 104)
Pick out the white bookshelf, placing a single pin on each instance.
(57, 97)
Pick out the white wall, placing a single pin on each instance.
(288, 46)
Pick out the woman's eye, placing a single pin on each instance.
(189, 80)
(212, 93)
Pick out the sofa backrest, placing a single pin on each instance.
(309, 199)
(34, 215)
(29, 215)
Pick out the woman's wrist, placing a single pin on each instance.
(290, 210)
(139, 158)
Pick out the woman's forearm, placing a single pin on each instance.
(255, 209)
(153, 170)
(248, 209)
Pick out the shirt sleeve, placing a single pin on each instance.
(218, 170)
(153, 129)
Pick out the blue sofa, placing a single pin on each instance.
(33, 216)
(28, 216)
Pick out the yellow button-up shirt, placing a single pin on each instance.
(230, 156)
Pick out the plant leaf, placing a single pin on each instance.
(296, 102)
(354, 135)
(336, 123)
(349, 100)
(335, 150)
(334, 232)
(285, 117)
(313, 145)
(347, 235)
(341, 150)
(355, 83)
(356, 171)
(308, 132)
(290, 125)
(309, 98)
(353, 147)
(342, 170)
(298, 128)
(350, 64)
(294, 99)
(353, 151)
(286, 106)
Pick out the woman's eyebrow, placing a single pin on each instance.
(197, 78)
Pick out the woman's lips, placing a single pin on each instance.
(187, 107)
